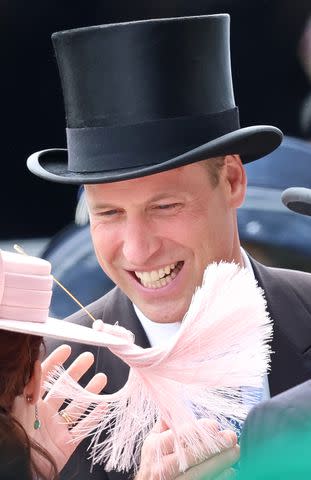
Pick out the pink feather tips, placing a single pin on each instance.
(222, 345)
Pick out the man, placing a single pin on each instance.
(153, 134)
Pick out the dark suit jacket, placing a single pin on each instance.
(288, 295)
(276, 437)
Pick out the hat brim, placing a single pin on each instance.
(62, 330)
(250, 143)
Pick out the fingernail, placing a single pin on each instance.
(230, 438)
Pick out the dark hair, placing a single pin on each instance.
(18, 353)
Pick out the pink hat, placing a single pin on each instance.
(25, 296)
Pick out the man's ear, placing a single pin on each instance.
(235, 179)
(33, 387)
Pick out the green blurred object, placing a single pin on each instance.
(276, 437)
(285, 456)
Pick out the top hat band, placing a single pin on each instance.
(128, 146)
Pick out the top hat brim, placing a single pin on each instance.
(250, 143)
(63, 331)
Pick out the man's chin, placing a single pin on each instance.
(163, 315)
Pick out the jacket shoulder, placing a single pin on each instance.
(284, 274)
(281, 281)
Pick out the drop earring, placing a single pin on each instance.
(36, 423)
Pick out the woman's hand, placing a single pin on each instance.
(56, 431)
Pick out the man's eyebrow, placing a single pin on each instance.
(155, 198)
(103, 206)
(162, 196)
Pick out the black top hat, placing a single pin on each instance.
(147, 96)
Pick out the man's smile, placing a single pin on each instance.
(161, 277)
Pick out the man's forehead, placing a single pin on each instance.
(157, 186)
(168, 176)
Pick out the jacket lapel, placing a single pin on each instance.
(119, 309)
(290, 360)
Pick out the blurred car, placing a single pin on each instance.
(75, 265)
(268, 230)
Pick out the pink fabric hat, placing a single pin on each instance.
(25, 296)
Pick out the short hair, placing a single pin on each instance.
(214, 166)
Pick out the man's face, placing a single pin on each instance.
(155, 235)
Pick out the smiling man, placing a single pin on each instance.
(154, 236)
(153, 133)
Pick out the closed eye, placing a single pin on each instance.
(167, 206)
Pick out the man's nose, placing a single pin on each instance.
(140, 242)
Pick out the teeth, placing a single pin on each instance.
(155, 275)
(154, 279)
(162, 272)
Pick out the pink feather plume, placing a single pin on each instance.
(222, 345)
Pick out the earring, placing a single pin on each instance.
(36, 423)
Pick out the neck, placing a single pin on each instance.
(23, 412)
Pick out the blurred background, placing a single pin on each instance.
(271, 65)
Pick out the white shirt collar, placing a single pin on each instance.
(246, 262)
(156, 332)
